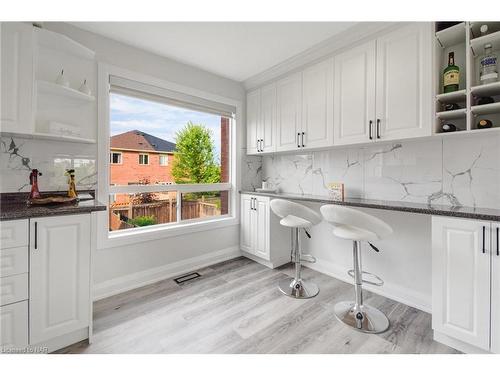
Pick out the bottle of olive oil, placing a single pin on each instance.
(451, 75)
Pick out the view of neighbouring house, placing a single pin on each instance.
(140, 158)
(137, 157)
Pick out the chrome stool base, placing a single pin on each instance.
(362, 318)
(299, 289)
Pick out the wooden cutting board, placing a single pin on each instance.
(52, 200)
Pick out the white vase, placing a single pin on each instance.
(61, 80)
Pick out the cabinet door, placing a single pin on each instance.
(404, 82)
(267, 129)
(461, 280)
(495, 292)
(14, 325)
(17, 77)
(246, 232)
(262, 228)
(354, 95)
(59, 276)
(289, 112)
(317, 105)
(253, 119)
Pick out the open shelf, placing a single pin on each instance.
(56, 89)
(486, 109)
(460, 133)
(452, 35)
(477, 44)
(490, 89)
(448, 115)
(452, 97)
(50, 137)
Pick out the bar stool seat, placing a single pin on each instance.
(348, 232)
(292, 221)
(357, 226)
(296, 217)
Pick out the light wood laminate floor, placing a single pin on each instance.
(236, 307)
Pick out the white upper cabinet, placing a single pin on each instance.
(317, 105)
(59, 276)
(253, 118)
(461, 280)
(354, 95)
(404, 83)
(17, 77)
(267, 128)
(289, 113)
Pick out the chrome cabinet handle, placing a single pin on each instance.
(378, 128)
(298, 139)
(484, 239)
(261, 145)
(303, 145)
(36, 235)
(370, 125)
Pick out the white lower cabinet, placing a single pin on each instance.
(59, 276)
(14, 326)
(261, 236)
(461, 283)
(45, 284)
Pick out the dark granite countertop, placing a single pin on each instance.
(13, 206)
(419, 208)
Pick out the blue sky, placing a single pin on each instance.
(161, 120)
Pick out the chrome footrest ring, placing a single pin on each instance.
(378, 282)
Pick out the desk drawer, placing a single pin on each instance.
(13, 289)
(13, 261)
(14, 325)
(13, 233)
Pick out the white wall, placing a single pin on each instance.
(118, 268)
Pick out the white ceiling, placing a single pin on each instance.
(236, 50)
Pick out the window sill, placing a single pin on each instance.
(157, 232)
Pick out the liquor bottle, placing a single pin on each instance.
(489, 71)
(451, 75)
(448, 128)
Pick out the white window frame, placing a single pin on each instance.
(111, 157)
(107, 239)
(166, 158)
(143, 155)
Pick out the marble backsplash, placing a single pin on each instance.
(455, 171)
(18, 156)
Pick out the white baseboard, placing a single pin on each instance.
(457, 344)
(125, 283)
(404, 295)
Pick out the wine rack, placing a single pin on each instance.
(467, 43)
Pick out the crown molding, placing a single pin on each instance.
(354, 34)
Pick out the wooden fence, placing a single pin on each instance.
(163, 212)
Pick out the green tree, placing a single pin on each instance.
(194, 160)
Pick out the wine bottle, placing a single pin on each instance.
(451, 75)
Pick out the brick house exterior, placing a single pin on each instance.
(126, 168)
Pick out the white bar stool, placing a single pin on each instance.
(296, 217)
(357, 226)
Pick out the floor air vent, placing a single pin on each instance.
(184, 278)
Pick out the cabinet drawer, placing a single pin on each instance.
(14, 325)
(13, 289)
(13, 233)
(13, 261)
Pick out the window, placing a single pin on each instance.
(190, 135)
(115, 157)
(143, 159)
(163, 160)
